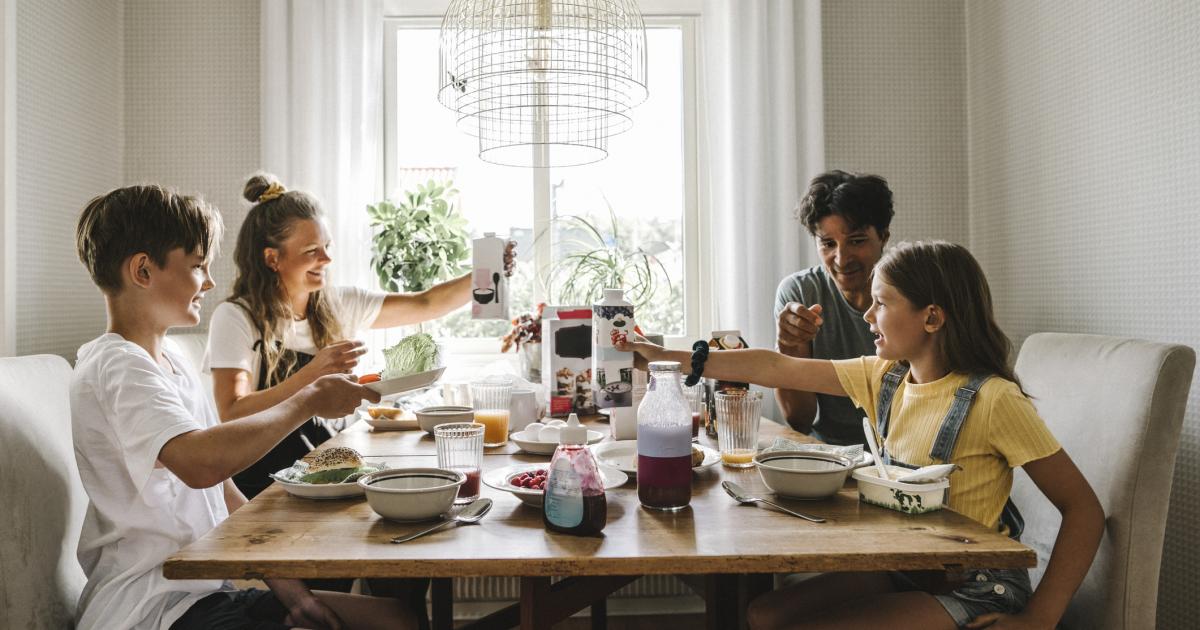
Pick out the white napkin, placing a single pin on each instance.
(853, 452)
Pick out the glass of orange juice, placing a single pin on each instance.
(491, 400)
(737, 432)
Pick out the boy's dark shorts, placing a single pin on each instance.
(249, 609)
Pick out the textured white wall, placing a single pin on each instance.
(894, 78)
(69, 139)
(191, 107)
(1084, 178)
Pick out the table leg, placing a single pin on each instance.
(534, 590)
(726, 597)
(600, 615)
(443, 603)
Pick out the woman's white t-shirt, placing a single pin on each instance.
(124, 408)
(231, 334)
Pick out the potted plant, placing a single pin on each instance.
(526, 337)
(421, 239)
(593, 261)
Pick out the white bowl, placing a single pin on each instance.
(803, 474)
(910, 498)
(406, 421)
(430, 417)
(499, 479)
(538, 447)
(412, 494)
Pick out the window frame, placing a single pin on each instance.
(696, 226)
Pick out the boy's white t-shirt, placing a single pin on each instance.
(231, 334)
(124, 408)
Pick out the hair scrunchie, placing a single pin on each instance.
(699, 356)
(274, 191)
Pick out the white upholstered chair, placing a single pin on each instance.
(42, 501)
(1117, 407)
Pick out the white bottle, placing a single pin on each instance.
(612, 369)
(489, 284)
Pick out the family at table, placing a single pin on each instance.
(903, 335)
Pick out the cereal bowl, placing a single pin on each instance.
(412, 494)
(803, 474)
(430, 417)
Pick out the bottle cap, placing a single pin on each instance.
(664, 366)
(573, 433)
(489, 234)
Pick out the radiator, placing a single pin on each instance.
(486, 589)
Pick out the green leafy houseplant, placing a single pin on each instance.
(421, 239)
(593, 261)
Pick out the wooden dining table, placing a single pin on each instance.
(727, 551)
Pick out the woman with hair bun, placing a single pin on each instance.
(283, 327)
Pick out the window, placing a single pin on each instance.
(645, 190)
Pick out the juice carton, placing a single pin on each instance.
(567, 359)
(489, 285)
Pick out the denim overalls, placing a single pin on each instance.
(986, 590)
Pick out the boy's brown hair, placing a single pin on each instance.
(148, 219)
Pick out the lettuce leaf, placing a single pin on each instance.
(411, 355)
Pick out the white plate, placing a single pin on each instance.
(320, 490)
(623, 455)
(499, 477)
(407, 383)
(538, 447)
(387, 424)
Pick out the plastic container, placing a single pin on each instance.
(574, 500)
(910, 498)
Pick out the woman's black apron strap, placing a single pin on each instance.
(947, 435)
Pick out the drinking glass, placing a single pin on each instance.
(737, 432)
(695, 399)
(460, 447)
(491, 400)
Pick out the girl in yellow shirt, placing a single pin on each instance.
(939, 389)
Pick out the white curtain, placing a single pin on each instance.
(322, 115)
(761, 72)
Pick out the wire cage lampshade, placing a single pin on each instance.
(542, 82)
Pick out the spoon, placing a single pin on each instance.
(741, 496)
(933, 472)
(470, 514)
(870, 433)
(496, 283)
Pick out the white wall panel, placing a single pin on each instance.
(1084, 143)
(69, 138)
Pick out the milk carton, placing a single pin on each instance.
(489, 285)
(612, 370)
(567, 359)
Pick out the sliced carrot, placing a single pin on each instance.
(368, 378)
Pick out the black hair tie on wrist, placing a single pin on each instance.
(699, 356)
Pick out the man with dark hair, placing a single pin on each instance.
(819, 311)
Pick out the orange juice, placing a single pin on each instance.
(495, 426)
(737, 458)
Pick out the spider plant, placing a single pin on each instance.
(592, 261)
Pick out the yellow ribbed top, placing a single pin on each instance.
(1002, 431)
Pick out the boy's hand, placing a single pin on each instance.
(336, 358)
(304, 609)
(337, 395)
(646, 351)
(797, 326)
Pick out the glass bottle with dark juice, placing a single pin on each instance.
(664, 441)
(574, 500)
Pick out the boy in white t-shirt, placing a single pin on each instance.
(153, 457)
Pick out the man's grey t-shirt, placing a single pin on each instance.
(843, 335)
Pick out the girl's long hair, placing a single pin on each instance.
(258, 288)
(948, 275)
